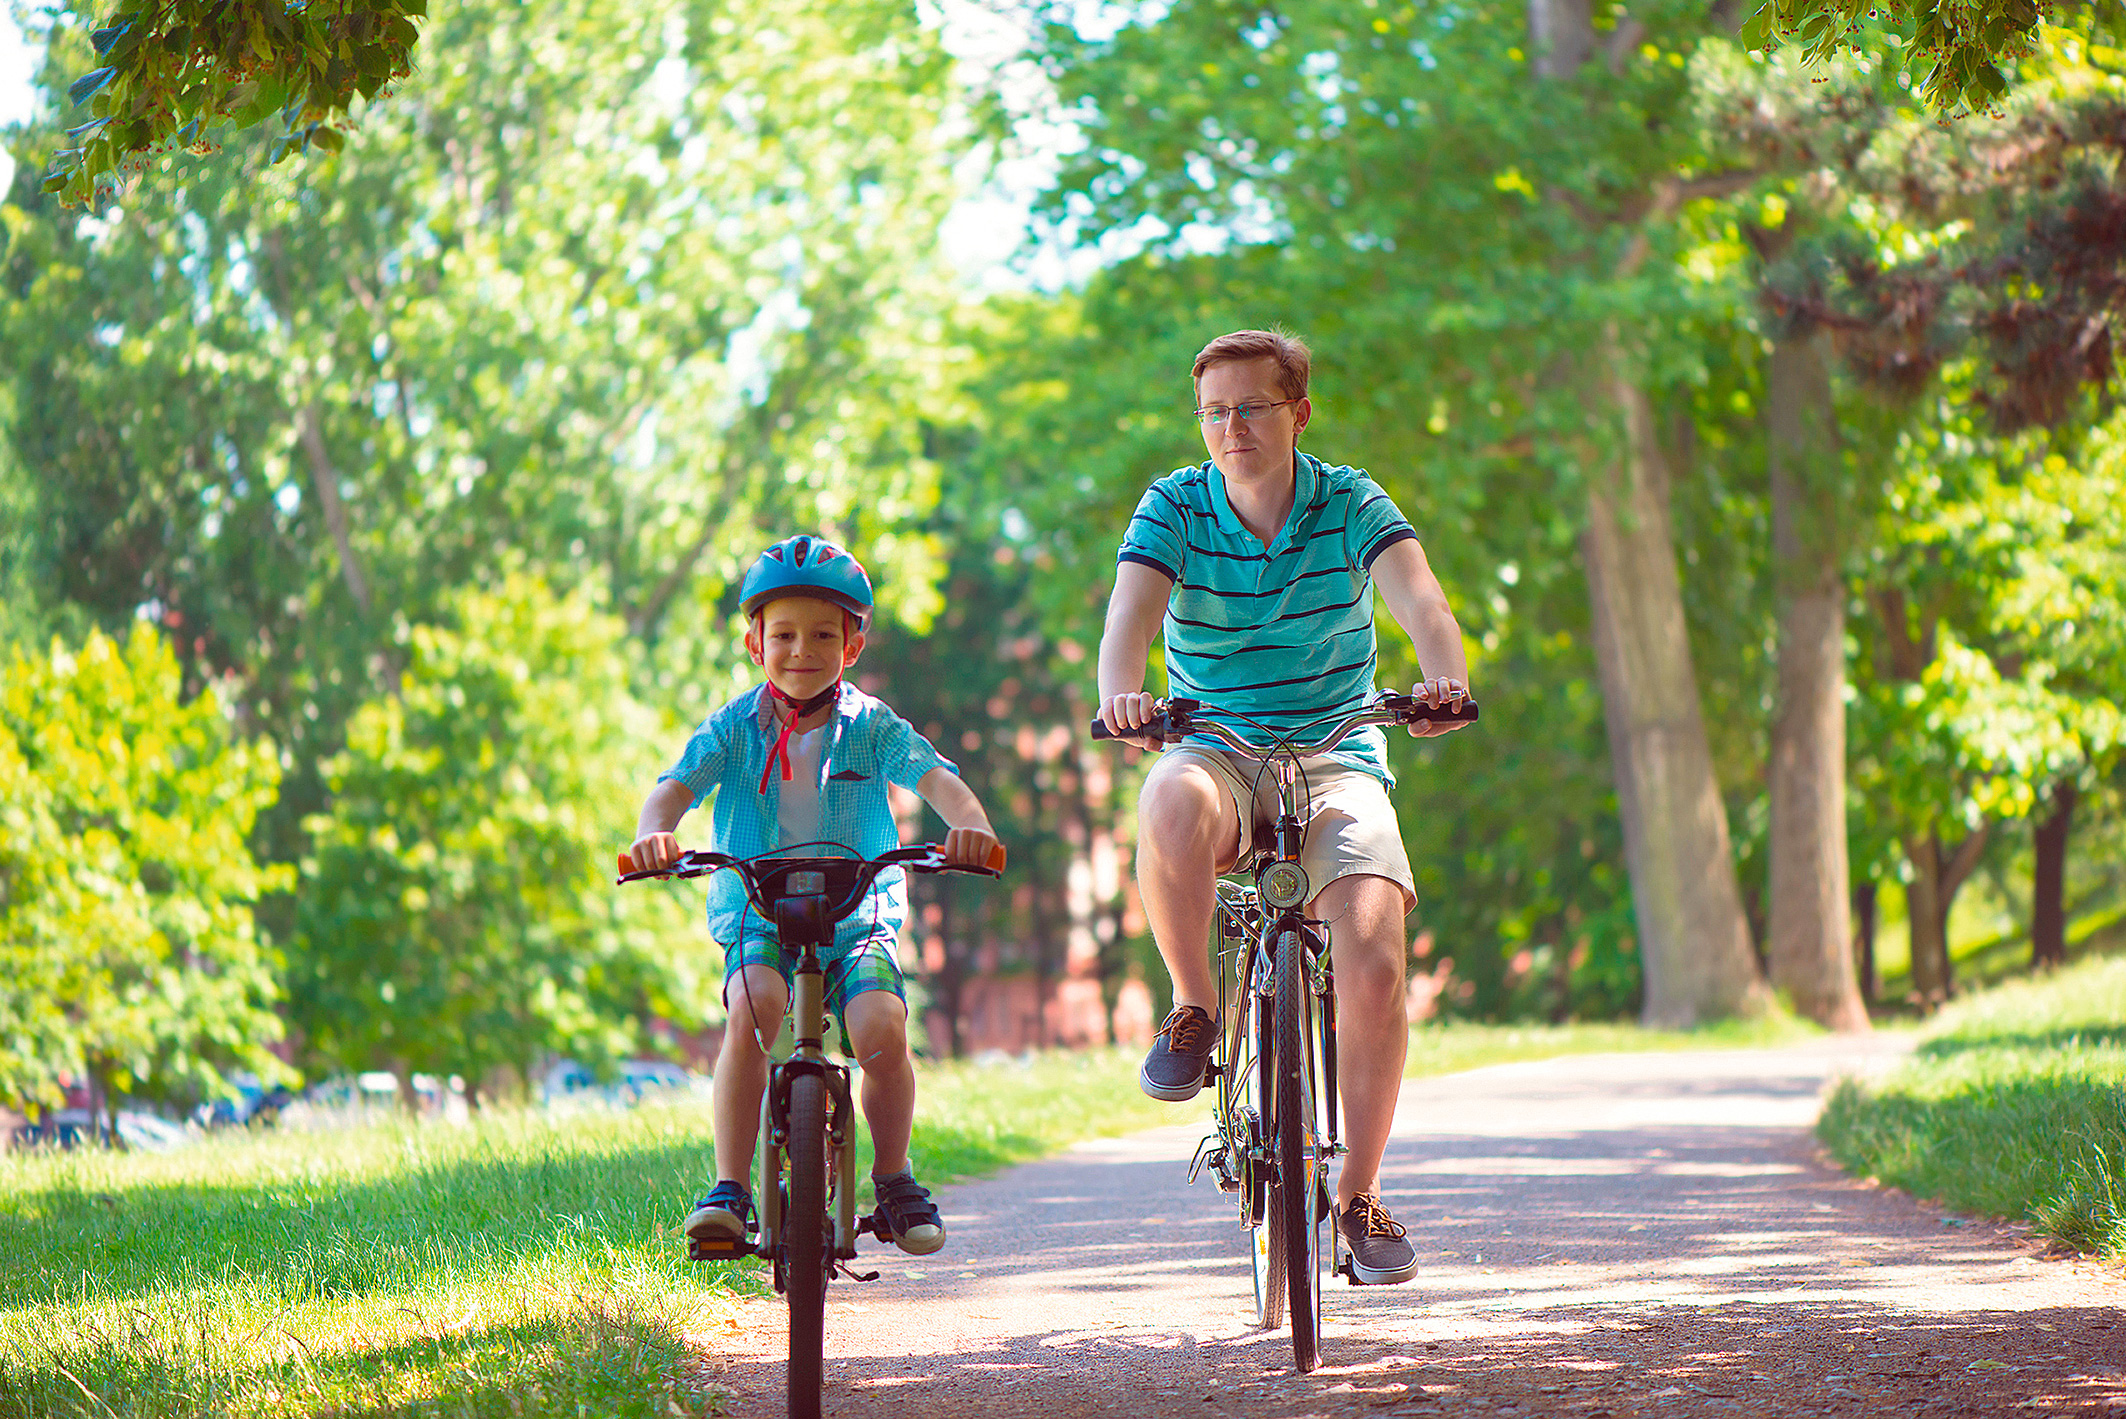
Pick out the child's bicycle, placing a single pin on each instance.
(1274, 1061)
(808, 1123)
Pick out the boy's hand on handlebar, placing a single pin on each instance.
(969, 847)
(1124, 713)
(1435, 693)
(653, 852)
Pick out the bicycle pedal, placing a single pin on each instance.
(718, 1251)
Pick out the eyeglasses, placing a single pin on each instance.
(1212, 415)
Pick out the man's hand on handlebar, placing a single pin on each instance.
(1124, 713)
(1438, 692)
(653, 852)
(969, 847)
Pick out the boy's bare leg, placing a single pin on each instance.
(1186, 830)
(877, 1021)
(1365, 916)
(754, 1001)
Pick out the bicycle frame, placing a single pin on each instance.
(807, 1147)
(1274, 1012)
(797, 919)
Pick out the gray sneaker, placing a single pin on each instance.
(1381, 1254)
(1173, 1071)
(723, 1218)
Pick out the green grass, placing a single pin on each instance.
(2014, 1105)
(524, 1264)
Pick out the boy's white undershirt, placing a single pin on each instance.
(797, 819)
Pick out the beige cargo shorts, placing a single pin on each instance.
(1350, 825)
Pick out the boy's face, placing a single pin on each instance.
(800, 643)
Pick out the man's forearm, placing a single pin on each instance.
(1134, 610)
(1437, 639)
(1123, 655)
(1414, 598)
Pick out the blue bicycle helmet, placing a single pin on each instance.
(808, 566)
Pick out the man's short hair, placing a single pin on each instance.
(1293, 360)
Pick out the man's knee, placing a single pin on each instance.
(1365, 915)
(1183, 812)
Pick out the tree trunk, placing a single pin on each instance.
(2048, 880)
(1810, 952)
(1937, 873)
(1694, 945)
(1864, 916)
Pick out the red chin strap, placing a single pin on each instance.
(780, 754)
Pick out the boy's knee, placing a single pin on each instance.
(754, 1001)
(877, 1022)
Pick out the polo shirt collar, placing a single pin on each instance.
(1305, 477)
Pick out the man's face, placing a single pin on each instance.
(1247, 450)
(800, 643)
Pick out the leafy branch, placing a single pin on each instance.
(173, 73)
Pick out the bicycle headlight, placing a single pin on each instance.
(1284, 885)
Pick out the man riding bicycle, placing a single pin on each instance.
(1261, 563)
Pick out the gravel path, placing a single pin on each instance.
(1602, 1235)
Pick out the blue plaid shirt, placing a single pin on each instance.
(868, 746)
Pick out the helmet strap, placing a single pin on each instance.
(780, 753)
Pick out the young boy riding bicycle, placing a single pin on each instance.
(1260, 565)
(806, 758)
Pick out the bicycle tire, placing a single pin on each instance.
(1252, 1112)
(804, 1244)
(1297, 1180)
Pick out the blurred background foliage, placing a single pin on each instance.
(420, 472)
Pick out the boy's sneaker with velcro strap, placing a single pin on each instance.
(906, 1214)
(723, 1218)
(1380, 1250)
(1173, 1071)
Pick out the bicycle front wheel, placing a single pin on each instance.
(1299, 1183)
(805, 1239)
(1248, 1134)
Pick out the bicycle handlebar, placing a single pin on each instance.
(924, 857)
(1177, 719)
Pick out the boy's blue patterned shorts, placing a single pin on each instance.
(851, 969)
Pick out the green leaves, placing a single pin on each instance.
(127, 946)
(458, 913)
(167, 65)
(1957, 47)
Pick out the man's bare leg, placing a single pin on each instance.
(1187, 828)
(1365, 916)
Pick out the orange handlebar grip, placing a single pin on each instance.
(627, 863)
(996, 858)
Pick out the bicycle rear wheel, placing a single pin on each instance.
(805, 1240)
(1299, 1179)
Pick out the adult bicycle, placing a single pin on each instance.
(1274, 1122)
(806, 1181)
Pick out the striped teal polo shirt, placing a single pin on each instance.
(1283, 633)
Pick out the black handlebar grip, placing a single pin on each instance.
(1157, 729)
(1465, 713)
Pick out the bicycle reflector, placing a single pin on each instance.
(1284, 885)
